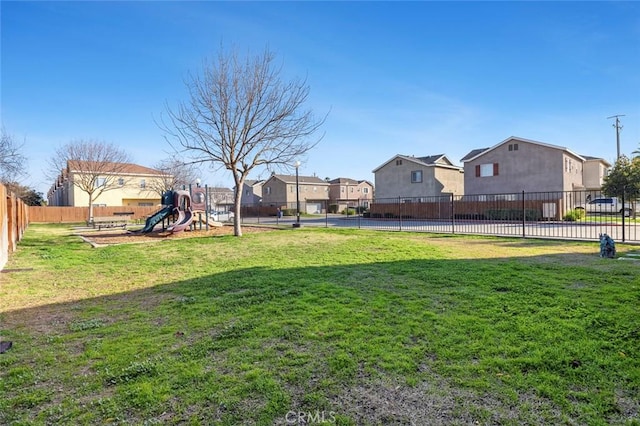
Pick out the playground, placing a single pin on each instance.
(120, 236)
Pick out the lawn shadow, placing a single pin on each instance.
(399, 342)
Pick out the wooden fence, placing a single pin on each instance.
(47, 214)
(14, 218)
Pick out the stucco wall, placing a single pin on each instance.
(531, 168)
(119, 196)
(394, 180)
(593, 174)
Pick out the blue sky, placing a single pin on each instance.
(413, 78)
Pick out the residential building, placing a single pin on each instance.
(412, 177)
(125, 184)
(251, 192)
(345, 192)
(517, 164)
(280, 191)
(220, 199)
(594, 170)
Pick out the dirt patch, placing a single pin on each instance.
(111, 237)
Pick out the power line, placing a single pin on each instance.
(618, 127)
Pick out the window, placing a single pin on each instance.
(292, 189)
(100, 182)
(121, 181)
(143, 183)
(398, 162)
(485, 170)
(365, 190)
(342, 189)
(351, 189)
(268, 190)
(513, 147)
(416, 176)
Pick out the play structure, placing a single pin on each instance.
(180, 210)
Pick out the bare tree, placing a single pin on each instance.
(175, 174)
(12, 161)
(241, 115)
(93, 166)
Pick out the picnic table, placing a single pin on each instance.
(120, 220)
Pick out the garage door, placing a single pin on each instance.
(314, 208)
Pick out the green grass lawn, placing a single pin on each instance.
(343, 326)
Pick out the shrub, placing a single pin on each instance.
(574, 215)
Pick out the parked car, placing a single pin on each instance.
(221, 216)
(608, 205)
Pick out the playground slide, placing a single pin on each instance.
(156, 218)
(203, 219)
(184, 221)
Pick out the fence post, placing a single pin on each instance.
(358, 212)
(524, 217)
(623, 213)
(453, 215)
(399, 214)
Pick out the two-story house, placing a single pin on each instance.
(594, 170)
(251, 192)
(120, 184)
(280, 191)
(345, 192)
(517, 164)
(409, 177)
(220, 198)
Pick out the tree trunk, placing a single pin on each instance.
(237, 199)
(90, 208)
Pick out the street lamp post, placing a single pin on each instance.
(297, 224)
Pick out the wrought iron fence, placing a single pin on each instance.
(581, 215)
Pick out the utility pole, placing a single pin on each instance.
(618, 127)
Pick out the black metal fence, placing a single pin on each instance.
(581, 215)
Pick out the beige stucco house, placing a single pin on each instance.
(280, 191)
(594, 170)
(351, 192)
(416, 177)
(517, 164)
(124, 184)
(251, 192)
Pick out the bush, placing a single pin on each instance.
(574, 215)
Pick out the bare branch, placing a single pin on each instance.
(175, 174)
(97, 167)
(241, 115)
(12, 161)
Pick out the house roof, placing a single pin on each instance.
(478, 152)
(438, 160)
(252, 182)
(341, 180)
(301, 179)
(219, 189)
(602, 160)
(473, 154)
(119, 168)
